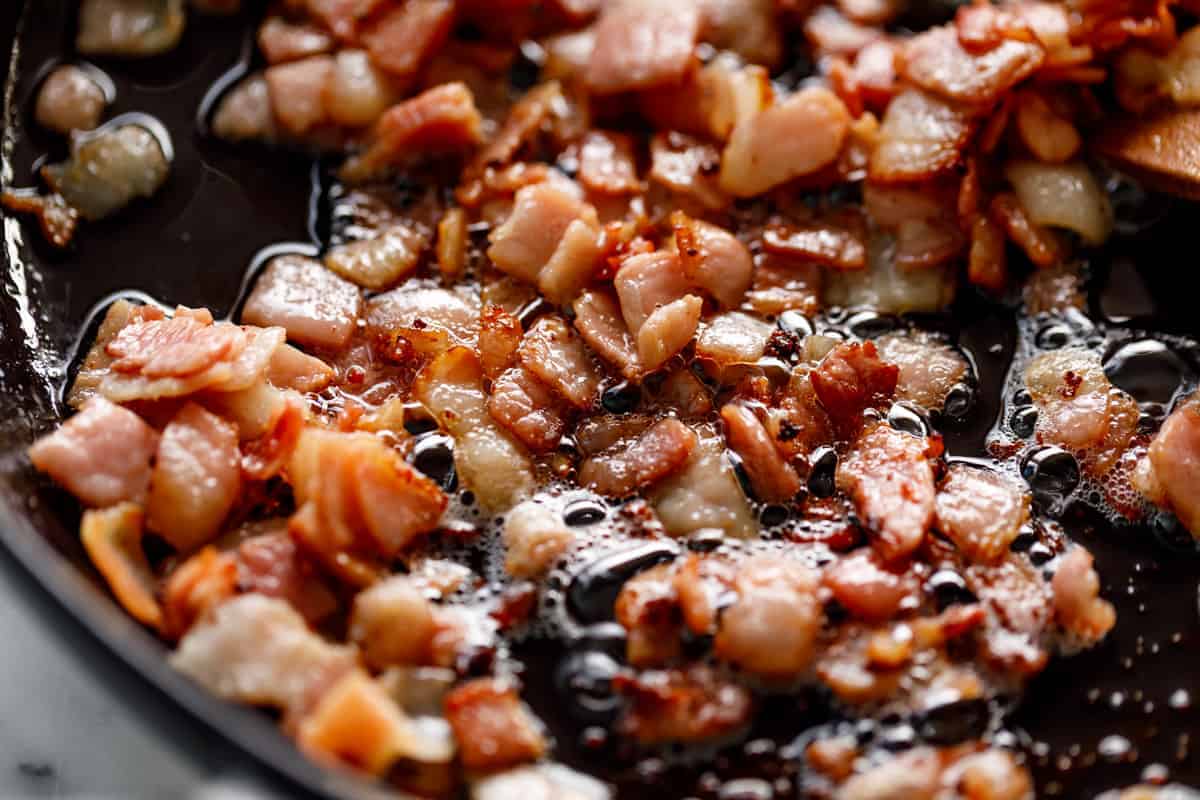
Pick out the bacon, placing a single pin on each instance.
(293, 369)
(921, 136)
(710, 101)
(705, 493)
(245, 114)
(889, 476)
(272, 564)
(1078, 606)
(987, 261)
(196, 587)
(499, 337)
(783, 284)
(488, 461)
(439, 120)
(431, 320)
(852, 378)
(281, 40)
(928, 368)
(832, 34)
(648, 281)
(57, 218)
(794, 138)
(492, 727)
(558, 358)
(993, 774)
(380, 261)
(668, 330)
(641, 45)
(528, 409)
(341, 17)
(771, 630)
(297, 92)
(936, 60)
(573, 265)
(101, 455)
(535, 538)
(914, 774)
(679, 706)
(524, 122)
(702, 586)
(1039, 244)
(866, 588)
(311, 303)
(540, 217)
(257, 650)
(1173, 461)
(836, 240)
(661, 450)
(598, 320)
(980, 511)
(773, 478)
(688, 168)
(647, 607)
(733, 338)
(799, 425)
(608, 164)
(392, 622)
(746, 27)
(112, 538)
(196, 478)
(403, 38)
(713, 259)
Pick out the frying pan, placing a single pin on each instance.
(222, 205)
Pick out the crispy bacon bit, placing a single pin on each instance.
(936, 60)
(522, 125)
(771, 630)
(789, 140)
(534, 539)
(528, 409)
(1037, 242)
(890, 478)
(314, 306)
(928, 368)
(838, 240)
(832, 34)
(713, 259)
(573, 264)
(987, 262)
(852, 378)
(429, 320)
(492, 727)
(541, 215)
(675, 706)
(703, 585)
(598, 320)
(980, 511)
(380, 261)
(271, 564)
(733, 338)
(783, 284)
(642, 45)
(799, 425)
(57, 218)
(451, 249)
(101, 455)
(1173, 461)
(1048, 135)
(404, 37)
(196, 587)
(436, 121)
(668, 330)
(704, 494)
(661, 450)
(499, 336)
(392, 622)
(292, 369)
(866, 588)
(648, 281)
(773, 478)
(688, 168)
(920, 137)
(608, 164)
(553, 353)
(1059, 195)
(282, 40)
(113, 540)
(1077, 602)
(297, 91)
(647, 607)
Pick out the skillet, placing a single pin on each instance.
(1089, 723)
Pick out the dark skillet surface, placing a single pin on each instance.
(221, 206)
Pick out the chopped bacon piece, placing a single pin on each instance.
(713, 259)
(852, 378)
(832, 34)
(297, 91)
(746, 27)
(987, 263)
(642, 45)
(706, 493)
(800, 425)
(380, 261)
(271, 564)
(534, 539)
(608, 163)
(936, 60)
(314, 305)
(675, 706)
(993, 775)
(451, 246)
(598, 320)
(403, 38)
(1077, 602)
(492, 726)
(773, 478)
(184, 344)
(528, 409)
(783, 284)
(929, 369)
(891, 480)
(914, 774)
(524, 121)
(113, 540)
(689, 168)
(553, 353)
(980, 511)
(921, 136)
(771, 630)
(573, 264)
(101, 455)
(258, 650)
(431, 320)
(282, 40)
(341, 17)
(196, 587)
(661, 450)
(733, 338)
(540, 216)
(702, 585)
(196, 479)
(392, 622)
(866, 588)
(837, 240)
(436, 121)
(293, 369)
(1048, 135)
(668, 330)
(789, 140)
(1174, 462)
(647, 607)
(648, 281)
(1040, 244)
(499, 337)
